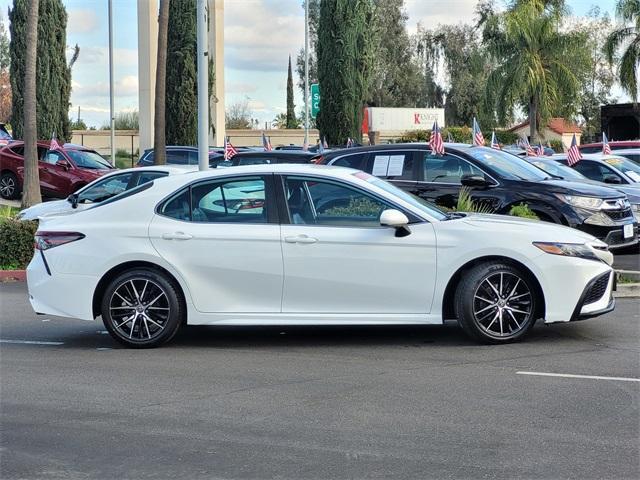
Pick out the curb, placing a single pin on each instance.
(627, 290)
(13, 275)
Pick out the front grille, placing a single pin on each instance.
(597, 289)
(619, 214)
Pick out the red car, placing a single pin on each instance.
(62, 171)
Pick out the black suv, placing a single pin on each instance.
(257, 157)
(498, 180)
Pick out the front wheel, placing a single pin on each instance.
(141, 308)
(496, 303)
(9, 188)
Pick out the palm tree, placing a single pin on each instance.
(531, 55)
(627, 37)
(31, 188)
(159, 138)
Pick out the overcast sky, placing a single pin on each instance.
(259, 37)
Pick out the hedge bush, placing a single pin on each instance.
(458, 135)
(16, 243)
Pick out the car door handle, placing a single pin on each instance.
(300, 239)
(177, 236)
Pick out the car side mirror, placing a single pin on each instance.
(612, 179)
(73, 200)
(395, 219)
(474, 181)
(64, 164)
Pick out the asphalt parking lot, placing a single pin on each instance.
(397, 402)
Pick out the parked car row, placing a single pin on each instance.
(603, 207)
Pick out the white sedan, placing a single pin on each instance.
(308, 245)
(101, 189)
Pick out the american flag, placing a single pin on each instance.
(54, 145)
(349, 142)
(540, 150)
(320, 147)
(435, 142)
(606, 148)
(229, 149)
(494, 141)
(266, 143)
(324, 143)
(574, 155)
(527, 146)
(478, 138)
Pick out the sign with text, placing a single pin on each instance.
(315, 99)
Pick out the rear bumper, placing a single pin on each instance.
(59, 294)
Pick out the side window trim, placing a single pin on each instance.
(422, 169)
(285, 215)
(270, 198)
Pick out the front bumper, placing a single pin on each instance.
(597, 297)
(613, 236)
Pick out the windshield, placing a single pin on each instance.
(88, 159)
(419, 203)
(506, 165)
(626, 166)
(554, 168)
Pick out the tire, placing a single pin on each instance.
(148, 322)
(9, 187)
(491, 318)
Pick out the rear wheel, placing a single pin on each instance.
(496, 303)
(9, 188)
(141, 308)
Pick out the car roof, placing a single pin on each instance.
(630, 143)
(276, 153)
(396, 146)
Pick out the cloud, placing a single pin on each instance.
(125, 86)
(260, 35)
(241, 88)
(431, 13)
(126, 57)
(82, 20)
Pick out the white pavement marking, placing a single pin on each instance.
(30, 342)
(46, 319)
(569, 375)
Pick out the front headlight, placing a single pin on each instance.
(579, 250)
(590, 203)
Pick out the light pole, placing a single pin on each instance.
(203, 86)
(111, 112)
(306, 72)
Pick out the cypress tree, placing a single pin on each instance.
(291, 108)
(53, 75)
(182, 85)
(345, 60)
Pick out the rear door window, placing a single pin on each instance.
(178, 157)
(392, 165)
(356, 160)
(145, 177)
(447, 168)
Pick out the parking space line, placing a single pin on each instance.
(589, 377)
(30, 342)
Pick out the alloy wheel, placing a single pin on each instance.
(7, 186)
(139, 309)
(503, 304)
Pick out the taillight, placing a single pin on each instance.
(47, 240)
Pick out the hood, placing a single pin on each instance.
(541, 231)
(585, 189)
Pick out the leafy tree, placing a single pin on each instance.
(124, 121)
(345, 60)
(31, 187)
(626, 38)
(458, 50)
(159, 121)
(182, 85)
(238, 116)
(530, 54)
(53, 75)
(291, 108)
(596, 73)
(77, 124)
(5, 58)
(397, 80)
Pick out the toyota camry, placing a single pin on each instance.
(308, 245)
